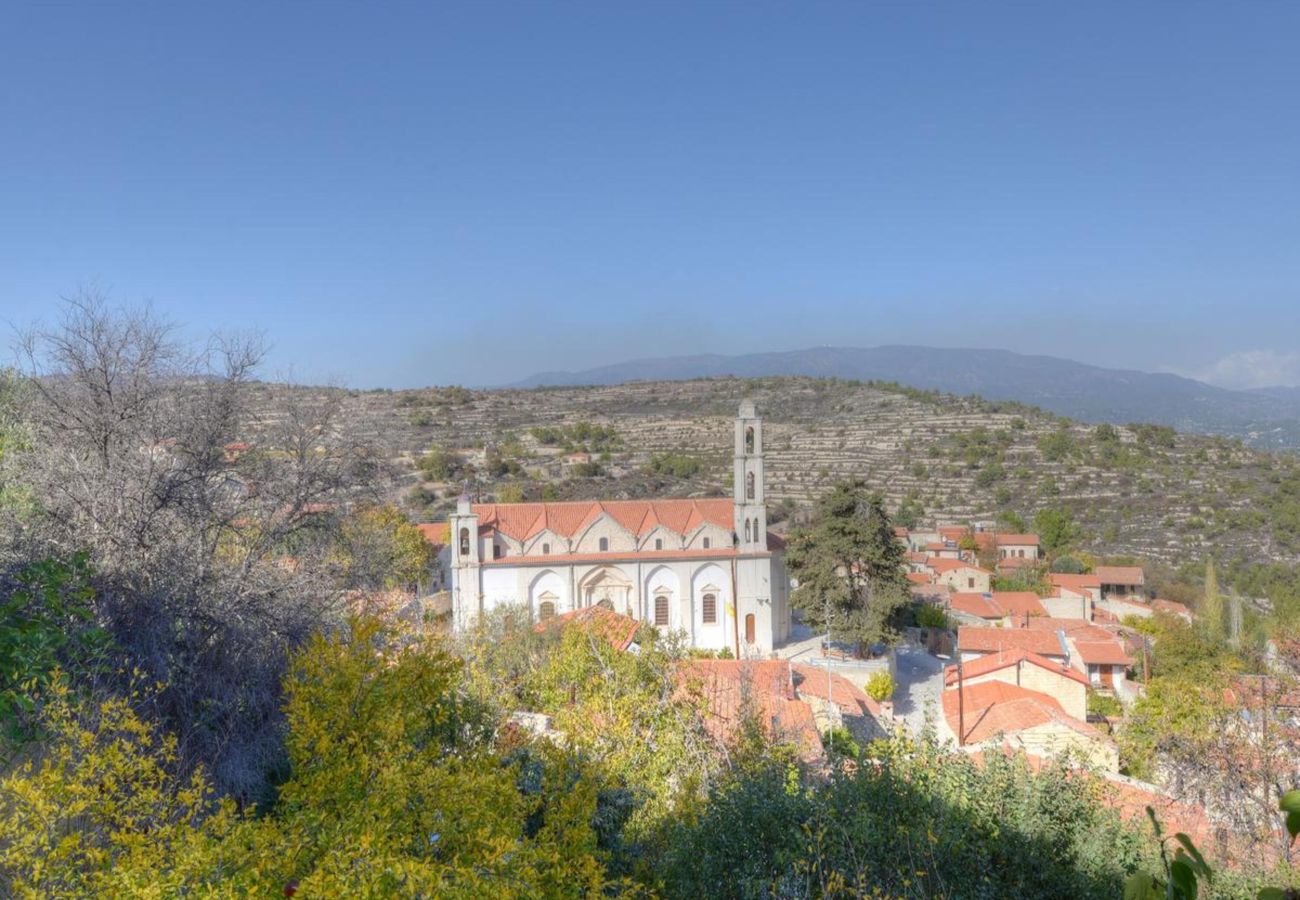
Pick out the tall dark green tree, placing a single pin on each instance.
(849, 567)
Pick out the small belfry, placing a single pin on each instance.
(751, 512)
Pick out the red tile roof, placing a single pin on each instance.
(983, 639)
(997, 604)
(997, 661)
(619, 630)
(975, 604)
(1102, 653)
(1017, 540)
(1119, 574)
(810, 681)
(1171, 606)
(1076, 583)
(727, 685)
(996, 707)
(939, 564)
(683, 516)
(918, 578)
(436, 533)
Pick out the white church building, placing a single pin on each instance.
(705, 567)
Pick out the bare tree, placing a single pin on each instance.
(209, 518)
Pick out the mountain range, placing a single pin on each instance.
(1266, 417)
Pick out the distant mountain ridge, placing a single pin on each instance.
(1264, 418)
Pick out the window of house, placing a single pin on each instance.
(546, 610)
(970, 583)
(706, 543)
(604, 544)
(497, 551)
(464, 542)
(749, 628)
(661, 609)
(659, 543)
(709, 609)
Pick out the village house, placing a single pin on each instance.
(1026, 669)
(707, 568)
(997, 714)
(996, 606)
(959, 575)
(1120, 581)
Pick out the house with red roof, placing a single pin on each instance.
(1026, 669)
(794, 703)
(706, 568)
(995, 714)
(959, 575)
(1120, 581)
(994, 606)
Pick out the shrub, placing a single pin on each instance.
(880, 686)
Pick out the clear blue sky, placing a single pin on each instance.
(421, 193)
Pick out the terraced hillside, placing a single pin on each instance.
(1140, 490)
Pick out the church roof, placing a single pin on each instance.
(524, 520)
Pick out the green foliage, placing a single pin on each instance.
(1011, 521)
(918, 822)
(1055, 527)
(909, 511)
(930, 616)
(579, 436)
(880, 686)
(1210, 611)
(1069, 565)
(1106, 705)
(47, 626)
(678, 465)
(1058, 446)
(380, 548)
(439, 464)
(849, 567)
(510, 493)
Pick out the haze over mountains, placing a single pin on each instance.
(1268, 417)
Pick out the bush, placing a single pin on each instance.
(880, 686)
(930, 616)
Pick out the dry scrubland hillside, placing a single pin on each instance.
(1136, 490)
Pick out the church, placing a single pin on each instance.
(707, 568)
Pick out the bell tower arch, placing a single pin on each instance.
(751, 511)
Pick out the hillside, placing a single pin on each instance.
(1136, 490)
(1268, 418)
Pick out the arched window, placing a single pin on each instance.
(464, 542)
(758, 535)
(706, 543)
(748, 532)
(546, 610)
(749, 486)
(749, 628)
(749, 439)
(709, 609)
(604, 544)
(661, 608)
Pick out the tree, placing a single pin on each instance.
(1056, 529)
(1211, 611)
(849, 567)
(206, 569)
(382, 549)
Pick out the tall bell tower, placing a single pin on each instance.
(751, 512)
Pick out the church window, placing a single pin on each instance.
(749, 439)
(606, 604)
(709, 609)
(546, 548)
(757, 534)
(464, 542)
(748, 532)
(604, 544)
(749, 628)
(498, 551)
(706, 543)
(661, 609)
(659, 543)
(546, 610)
(749, 486)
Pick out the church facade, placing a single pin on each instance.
(707, 568)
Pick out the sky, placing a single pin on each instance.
(411, 194)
